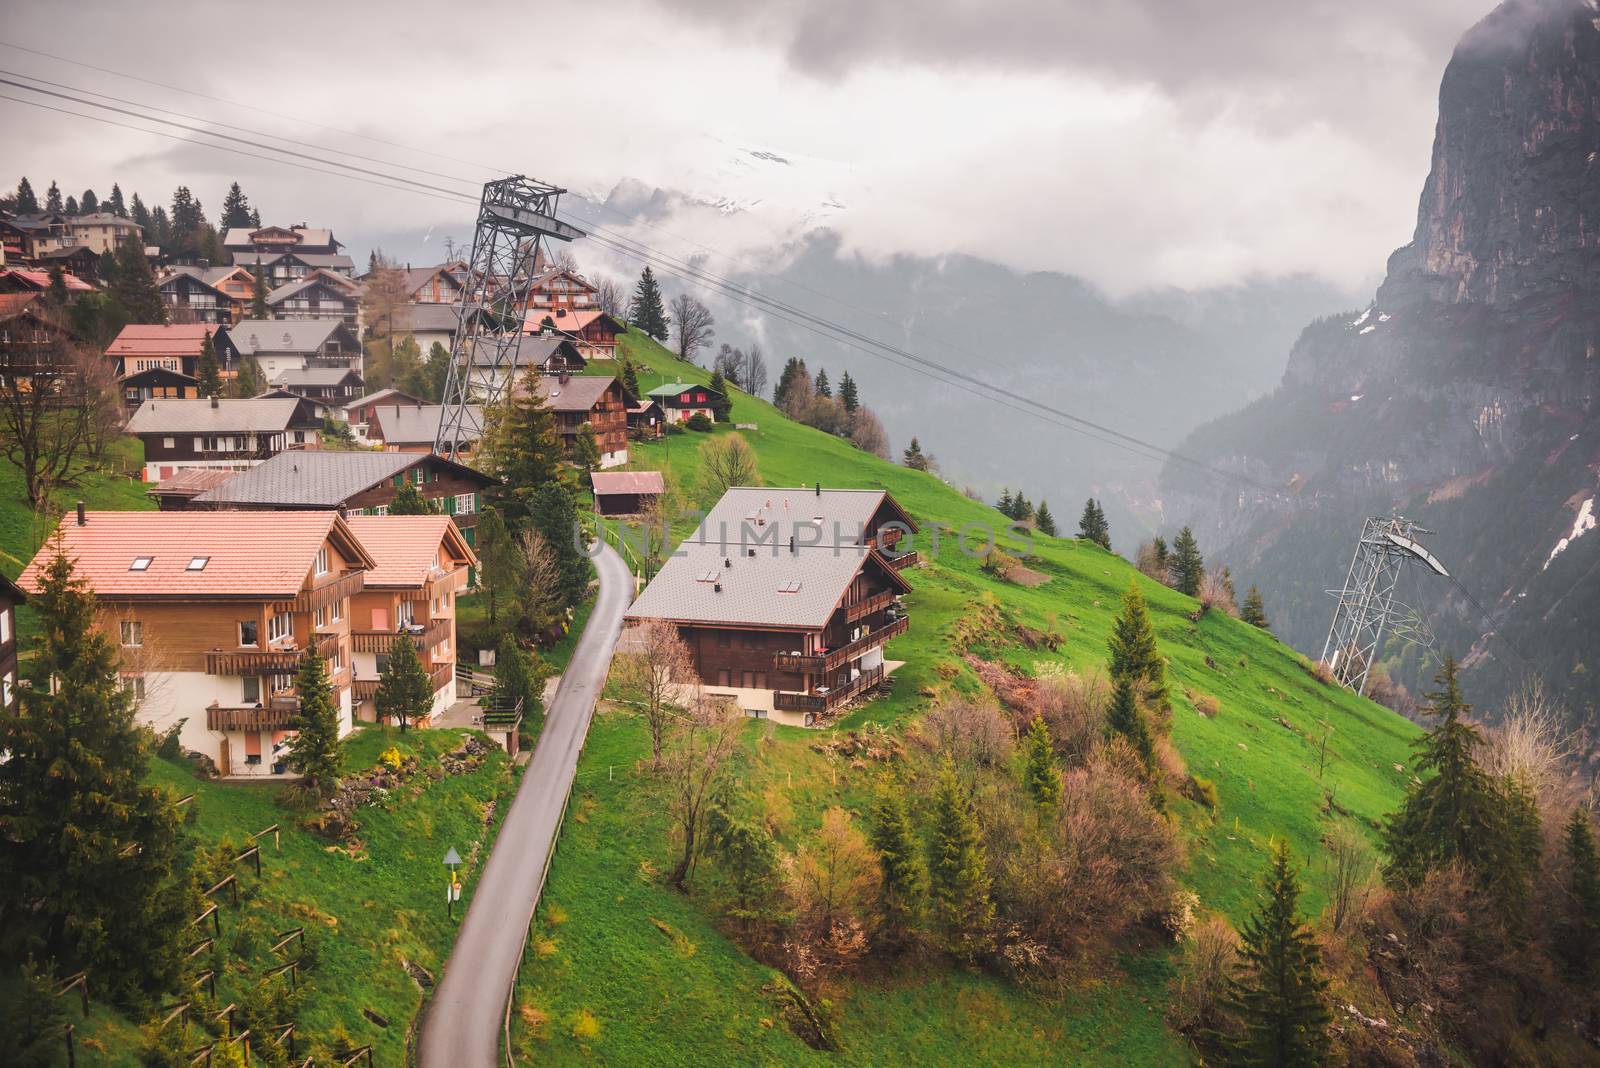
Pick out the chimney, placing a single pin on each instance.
(717, 587)
(83, 520)
(214, 403)
(727, 561)
(791, 544)
(819, 489)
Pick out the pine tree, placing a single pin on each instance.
(553, 512)
(522, 447)
(1092, 525)
(90, 850)
(1023, 508)
(52, 198)
(793, 369)
(1188, 570)
(849, 398)
(1163, 558)
(141, 215)
(904, 886)
(314, 751)
(27, 202)
(408, 500)
(914, 457)
(71, 205)
(647, 310)
(630, 379)
(518, 675)
(1577, 939)
(1124, 718)
(721, 403)
(1254, 611)
(250, 381)
(405, 692)
(586, 449)
(57, 293)
(89, 204)
(436, 372)
(958, 875)
(259, 308)
(1006, 506)
(208, 373)
(1280, 998)
(235, 208)
(1041, 775)
(822, 387)
(1453, 814)
(1044, 520)
(1134, 655)
(188, 222)
(35, 1020)
(134, 286)
(114, 202)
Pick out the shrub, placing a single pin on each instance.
(1202, 792)
(1074, 706)
(971, 734)
(699, 423)
(1214, 593)
(1210, 954)
(585, 1026)
(1205, 704)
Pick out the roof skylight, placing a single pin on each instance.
(141, 563)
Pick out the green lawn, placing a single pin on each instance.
(697, 997)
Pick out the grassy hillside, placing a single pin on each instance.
(622, 967)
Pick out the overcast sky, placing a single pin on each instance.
(1137, 144)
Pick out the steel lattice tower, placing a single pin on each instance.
(515, 215)
(1388, 545)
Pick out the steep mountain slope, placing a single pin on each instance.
(1465, 395)
(624, 969)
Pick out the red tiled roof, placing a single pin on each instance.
(173, 339)
(13, 303)
(642, 482)
(249, 554)
(406, 547)
(191, 481)
(569, 320)
(41, 279)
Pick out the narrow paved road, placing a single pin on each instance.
(463, 1024)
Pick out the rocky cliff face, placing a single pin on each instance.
(1465, 395)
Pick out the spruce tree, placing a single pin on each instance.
(259, 308)
(630, 379)
(114, 202)
(408, 500)
(314, 751)
(1124, 718)
(52, 198)
(161, 230)
(1577, 940)
(188, 222)
(1454, 813)
(849, 395)
(35, 1020)
(958, 875)
(1279, 997)
(436, 373)
(1134, 655)
(586, 449)
(91, 851)
(141, 215)
(1254, 611)
(1006, 506)
(27, 202)
(70, 208)
(793, 369)
(522, 447)
(647, 310)
(904, 886)
(1041, 775)
(405, 692)
(250, 381)
(821, 386)
(134, 286)
(518, 675)
(914, 457)
(553, 512)
(1188, 570)
(235, 208)
(89, 204)
(1163, 558)
(1044, 520)
(721, 403)
(1092, 525)
(57, 293)
(208, 373)
(496, 562)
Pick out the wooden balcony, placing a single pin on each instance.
(366, 689)
(823, 700)
(330, 590)
(820, 662)
(252, 661)
(438, 677)
(862, 609)
(904, 560)
(379, 641)
(279, 714)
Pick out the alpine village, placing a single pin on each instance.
(500, 661)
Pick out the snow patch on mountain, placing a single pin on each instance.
(1580, 526)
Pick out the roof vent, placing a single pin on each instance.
(717, 587)
(83, 519)
(751, 552)
(727, 561)
(819, 489)
(214, 403)
(791, 543)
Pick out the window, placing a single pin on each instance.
(250, 686)
(320, 616)
(141, 563)
(299, 437)
(280, 626)
(8, 689)
(134, 684)
(197, 563)
(322, 560)
(5, 626)
(132, 633)
(169, 443)
(249, 633)
(465, 503)
(336, 611)
(382, 509)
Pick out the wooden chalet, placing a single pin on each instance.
(436, 285)
(415, 428)
(591, 331)
(226, 433)
(330, 388)
(358, 413)
(173, 493)
(157, 383)
(547, 354)
(682, 401)
(559, 288)
(626, 492)
(211, 629)
(35, 342)
(206, 294)
(786, 598)
(596, 400)
(248, 241)
(11, 595)
(322, 294)
(280, 345)
(167, 347)
(646, 420)
(423, 562)
(37, 280)
(80, 260)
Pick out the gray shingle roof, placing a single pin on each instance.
(330, 260)
(311, 479)
(282, 335)
(578, 393)
(315, 376)
(254, 415)
(430, 317)
(411, 425)
(381, 395)
(288, 290)
(843, 513)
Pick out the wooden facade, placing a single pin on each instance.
(11, 595)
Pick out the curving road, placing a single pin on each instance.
(463, 1023)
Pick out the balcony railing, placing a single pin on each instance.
(347, 585)
(379, 641)
(819, 662)
(438, 678)
(252, 661)
(279, 714)
(366, 689)
(823, 700)
(904, 560)
(863, 609)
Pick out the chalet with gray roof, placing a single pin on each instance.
(596, 401)
(280, 345)
(414, 428)
(225, 433)
(322, 294)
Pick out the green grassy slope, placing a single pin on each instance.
(696, 996)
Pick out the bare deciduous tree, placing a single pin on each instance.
(1349, 874)
(657, 662)
(867, 434)
(1532, 743)
(611, 297)
(101, 399)
(693, 324)
(43, 415)
(1205, 975)
(384, 297)
(535, 593)
(703, 742)
(726, 462)
(753, 380)
(834, 879)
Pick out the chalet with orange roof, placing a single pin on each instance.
(591, 330)
(560, 288)
(422, 564)
(206, 294)
(211, 628)
(35, 280)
